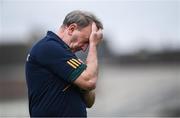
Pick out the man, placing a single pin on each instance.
(59, 84)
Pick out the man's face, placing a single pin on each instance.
(80, 39)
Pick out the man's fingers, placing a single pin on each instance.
(94, 27)
(96, 34)
(100, 33)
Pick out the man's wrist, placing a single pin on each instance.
(92, 44)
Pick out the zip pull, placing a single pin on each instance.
(68, 86)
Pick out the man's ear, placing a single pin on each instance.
(71, 28)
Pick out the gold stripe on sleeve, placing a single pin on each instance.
(76, 61)
(71, 64)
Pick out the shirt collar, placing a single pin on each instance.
(57, 38)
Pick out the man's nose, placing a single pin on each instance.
(84, 47)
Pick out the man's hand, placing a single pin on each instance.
(96, 35)
(89, 98)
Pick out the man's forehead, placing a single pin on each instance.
(87, 31)
(87, 28)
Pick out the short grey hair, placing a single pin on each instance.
(82, 19)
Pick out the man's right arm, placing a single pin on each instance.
(87, 80)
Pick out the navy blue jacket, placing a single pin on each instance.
(51, 68)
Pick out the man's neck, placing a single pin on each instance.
(61, 35)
